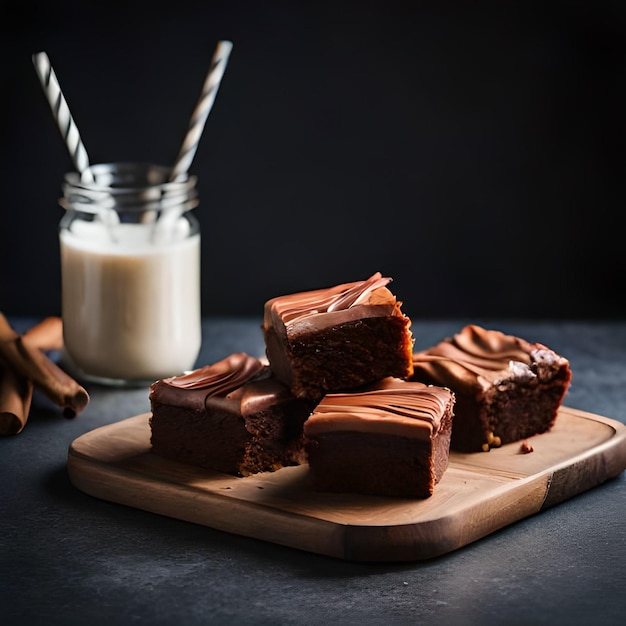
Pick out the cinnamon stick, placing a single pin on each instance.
(16, 395)
(16, 392)
(24, 364)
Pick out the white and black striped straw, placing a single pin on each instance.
(202, 110)
(62, 115)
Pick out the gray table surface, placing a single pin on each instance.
(69, 558)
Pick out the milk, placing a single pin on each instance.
(130, 299)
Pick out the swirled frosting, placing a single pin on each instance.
(392, 407)
(479, 358)
(222, 379)
(334, 303)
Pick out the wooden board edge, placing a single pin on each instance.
(602, 464)
(360, 543)
(592, 468)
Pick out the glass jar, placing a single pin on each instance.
(130, 274)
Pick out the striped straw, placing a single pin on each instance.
(62, 114)
(202, 110)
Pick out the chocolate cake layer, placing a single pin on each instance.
(506, 387)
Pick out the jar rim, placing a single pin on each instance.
(128, 186)
(115, 176)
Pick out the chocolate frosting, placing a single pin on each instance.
(367, 298)
(223, 379)
(391, 406)
(476, 358)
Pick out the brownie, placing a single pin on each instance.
(389, 439)
(232, 416)
(506, 387)
(337, 338)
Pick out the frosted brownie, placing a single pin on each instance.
(337, 338)
(232, 416)
(506, 387)
(391, 439)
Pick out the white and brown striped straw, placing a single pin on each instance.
(62, 115)
(202, 110)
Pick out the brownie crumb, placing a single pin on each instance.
(525, 447)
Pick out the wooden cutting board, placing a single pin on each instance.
(479, 493)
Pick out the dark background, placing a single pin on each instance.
(474, 152)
